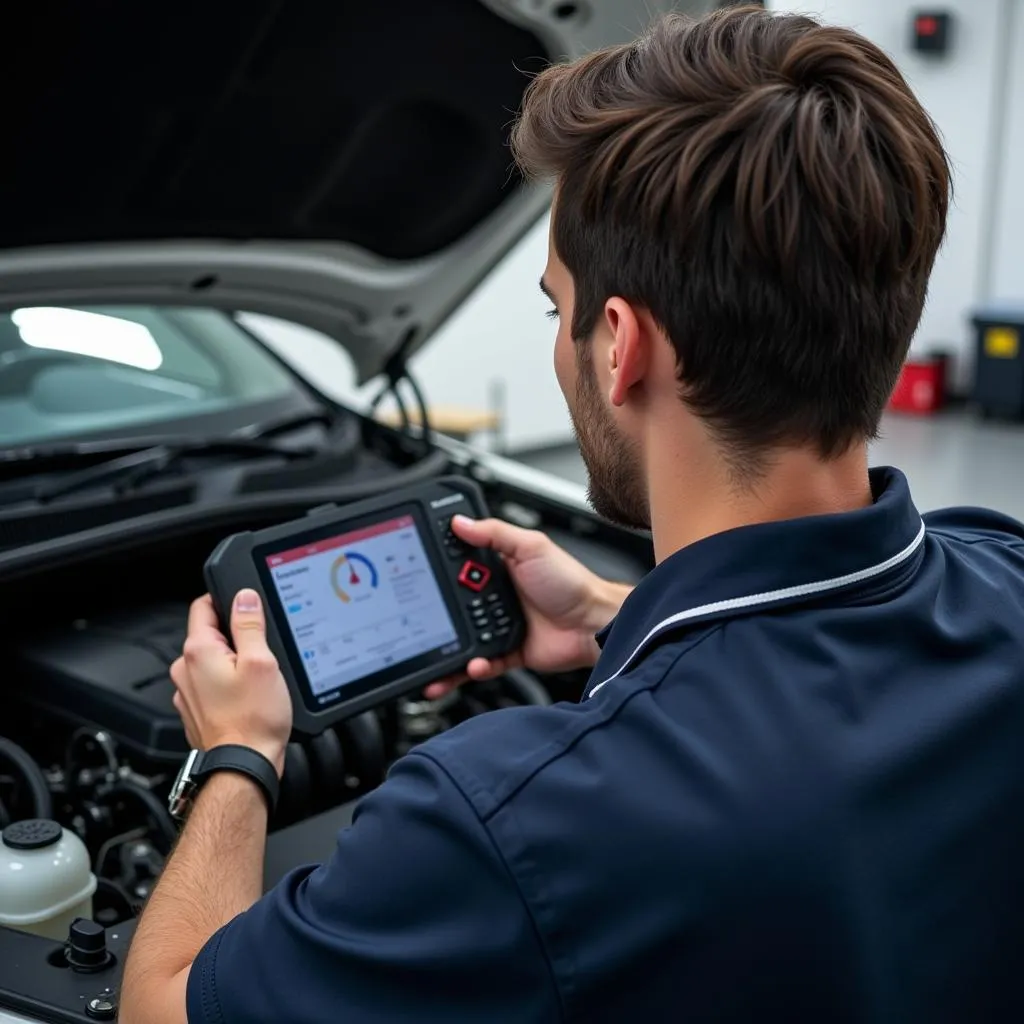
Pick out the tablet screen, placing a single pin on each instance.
(362, 603)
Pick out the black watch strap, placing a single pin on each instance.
(243, 760)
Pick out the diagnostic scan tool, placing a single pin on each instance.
(373, 599)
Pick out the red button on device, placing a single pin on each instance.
(474, 576)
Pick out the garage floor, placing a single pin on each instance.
(952, 459)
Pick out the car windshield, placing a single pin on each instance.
(73, 371)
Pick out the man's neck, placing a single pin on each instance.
(690, 501)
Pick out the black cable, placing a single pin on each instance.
(396, 370)
(527, 687)
(111, 888)
(101, 739)
(158, 812)
(42, 801)
(403, 410)
(421, 403)
(99, 862)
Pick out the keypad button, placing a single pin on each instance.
(453, 545)
(474, 576)
(502, 620)
(486, 637)
(502, 631)
(477, 602)
(494, 598)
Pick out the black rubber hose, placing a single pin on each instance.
(421, 404)
(327, 766)
(403, 411)
(109, 887)
(42, 801)
(362, 741)
(293, 804)
(158, 812)
(527, 687)
(100, 739)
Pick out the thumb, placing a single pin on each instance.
(513, 542)
(248, 628)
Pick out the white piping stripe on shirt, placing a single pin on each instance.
(751, 600)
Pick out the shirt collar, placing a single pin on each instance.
(761, 566)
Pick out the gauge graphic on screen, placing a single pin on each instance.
(351, 575)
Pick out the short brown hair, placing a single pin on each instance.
(771, 191)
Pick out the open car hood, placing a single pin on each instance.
(338, 164)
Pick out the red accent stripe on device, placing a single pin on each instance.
(330, 543)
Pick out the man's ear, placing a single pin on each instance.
(629, 353)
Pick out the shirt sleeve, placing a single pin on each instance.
(976, 524)
(414, 918)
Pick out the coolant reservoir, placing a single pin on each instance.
(45, 878)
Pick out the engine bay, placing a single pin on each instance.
(90, 738)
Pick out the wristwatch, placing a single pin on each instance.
(201, 764)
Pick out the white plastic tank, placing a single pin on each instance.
(46, 879)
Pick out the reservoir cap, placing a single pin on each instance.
(32, 834)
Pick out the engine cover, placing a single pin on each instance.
(112, 673)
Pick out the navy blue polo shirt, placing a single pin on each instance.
(794, 791)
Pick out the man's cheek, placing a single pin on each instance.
(564, 361)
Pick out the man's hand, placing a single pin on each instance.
(565, 603)
(232, 696)
(216, 870)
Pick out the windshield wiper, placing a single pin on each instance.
(128, 470)
(73, 453)
(294, 421)
(37, 457)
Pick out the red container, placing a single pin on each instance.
(921, 388)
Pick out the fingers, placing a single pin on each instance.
(476, 671)
(205, 642)
(203, 624)
(435, 691)
(482, 668)
(510, 541)
(177, 673)
(191, 733)
(182, 682)
(249, 631)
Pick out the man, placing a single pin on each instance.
(794, 789)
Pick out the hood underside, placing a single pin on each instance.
(379, 123)
(341, 164)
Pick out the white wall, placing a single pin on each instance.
(1007, 282)
(960, 92)
(501, 333)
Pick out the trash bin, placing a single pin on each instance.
(921, 387)
(999, 361)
